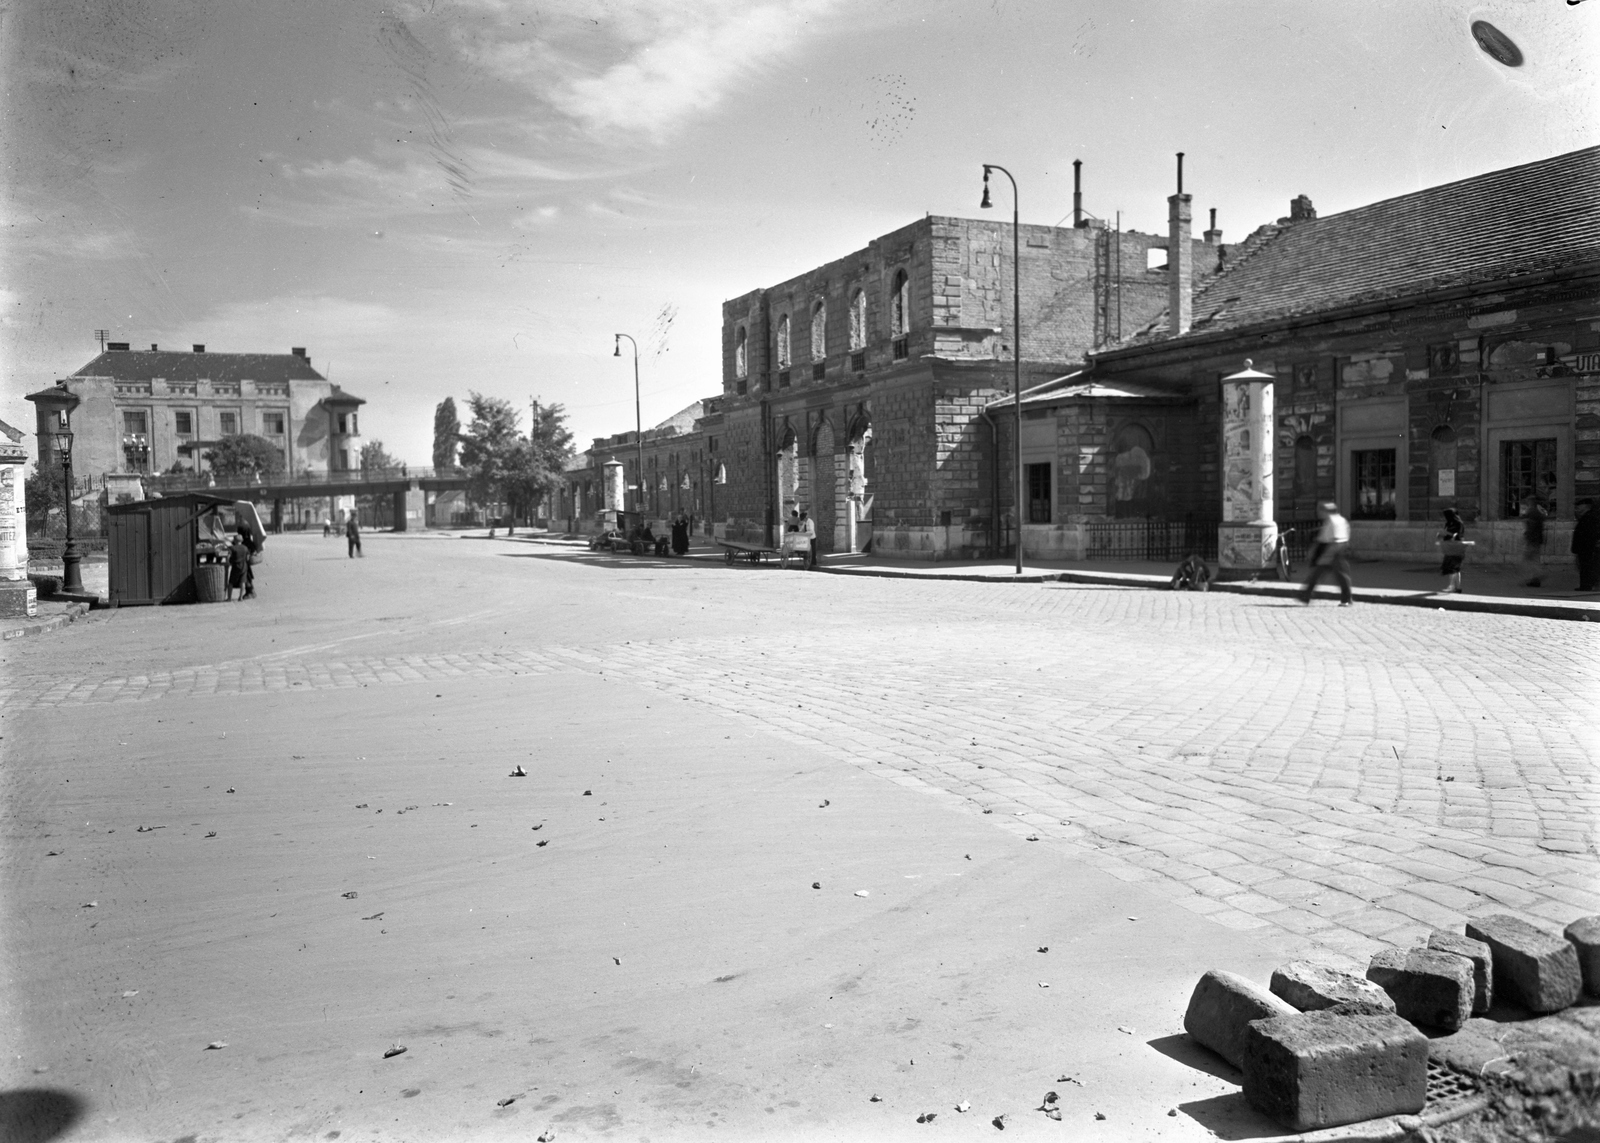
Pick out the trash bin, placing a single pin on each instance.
(210, 582)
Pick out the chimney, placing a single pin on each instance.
(1180, 261)
(1213, 236)
(1301, 210)
(199, 348)
(1077, 194)
(154, 347)
(300, 352)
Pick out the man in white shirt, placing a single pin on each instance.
(1331, 555)
(808, 541)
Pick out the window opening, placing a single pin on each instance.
(783, 342)
(858, 321)
(228, 423)
(1305, 468)
(1038, 493)
(900, 306)
(1372, 472)
(741, 357)
(1527, 472)
(819, 331)
(183, 423)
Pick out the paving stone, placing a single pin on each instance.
(1428, 987)
(1222, 1005)
(1309, 987)
(1324, 1069)
(1482, 964)
(1585, 937)
(1533, 968)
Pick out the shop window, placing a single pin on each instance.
(1372, 490)
(1038, 493)
(1442, 461)
(1527, 472)
(783, 342)
(858, 321)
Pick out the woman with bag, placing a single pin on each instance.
(1453, 544)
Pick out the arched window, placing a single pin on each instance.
(900, 304)
(783, 342)
(741, 354)
(819, 331)
(858, 320)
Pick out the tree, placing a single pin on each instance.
(487, 446)
(538, 470)
(375, 456)
(245, 454)
(446, 434)
(503, 466)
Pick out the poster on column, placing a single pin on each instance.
(1238, 468)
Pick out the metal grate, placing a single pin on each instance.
(1449, 1092)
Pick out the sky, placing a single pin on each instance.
(444, 196)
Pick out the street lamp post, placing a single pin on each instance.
(57, 404)
(1016, 339)
(638, 424)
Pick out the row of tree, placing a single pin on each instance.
(503, 464)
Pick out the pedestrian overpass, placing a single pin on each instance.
(395, 482)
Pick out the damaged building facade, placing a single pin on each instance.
(1439, 349)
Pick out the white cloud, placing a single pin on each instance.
(648, 67)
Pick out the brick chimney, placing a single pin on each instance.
(198, 348)
(299, 351)
(1301, 210)
(1213, 236)
(1077, 195)
(1180, 261)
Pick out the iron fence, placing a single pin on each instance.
(1152, 538)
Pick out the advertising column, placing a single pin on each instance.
(1248, 534)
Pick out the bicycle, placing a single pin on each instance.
(1280, 556)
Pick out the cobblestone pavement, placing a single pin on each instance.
(1350, 776)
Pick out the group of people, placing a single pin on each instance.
(1330, 556)
(800, 540)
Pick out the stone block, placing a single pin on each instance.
(1221, 1008)
(1324, 1069)
(1585, 937)
(1442, 940)
(1310, 987)
(1428, 987)
(1533, 968)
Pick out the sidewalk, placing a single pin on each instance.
(1494, 590)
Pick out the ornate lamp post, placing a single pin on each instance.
(1016, 338)
(638, 425)
(57, 405)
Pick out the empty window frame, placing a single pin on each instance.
(741, 353)
(783, 342)
(1372, 484)
(819, 330)
(228, 422)
(858, 321)
(1527, 472)
(1038, 476)
(135, 423)
(900, 304)
(183, 422)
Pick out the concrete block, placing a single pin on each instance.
(1428, 987)
(1533, 968)
(1310, 987)
(1442, 940)
(1585, 937)
(1221, 1008)
(1323, 1069)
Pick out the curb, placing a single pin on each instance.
(71, 614)
(1493, 605)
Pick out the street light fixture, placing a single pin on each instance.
(638, 424)
(1016, 338)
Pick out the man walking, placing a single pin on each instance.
(1586, 545)
(1331, 555)
(352, 535)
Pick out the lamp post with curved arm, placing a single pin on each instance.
(638, 424)
(1016, 337)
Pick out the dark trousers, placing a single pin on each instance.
(1589, 571)
(354, 546)
(1339, 568)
